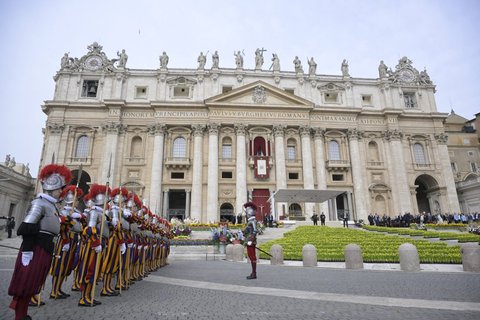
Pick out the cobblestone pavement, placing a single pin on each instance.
(218, 289)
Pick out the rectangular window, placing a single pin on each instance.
(454, 167)
(331, 97)
(177, 175)
(473, 166)
(227, 175)
(366, 100)
(293, 175)
(291, 91)
(140, 92)
(226, 89)
(89, 88)
(181, 92)
(226, 151)
(410, 101)
(337, 177)
(291, 153)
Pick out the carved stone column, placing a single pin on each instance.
(397, 164)
(112, 130)
(158, 130)
(52, 144)
(452, 198)
(196, 204)
(359, 185)
(187, 202)
(319, 134)
(165, 205)
(280, 169)
(305, 133)
(241, 168)
(212, 183)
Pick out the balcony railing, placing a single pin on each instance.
(80, 160)
(375, 163)
(337, 165)
(423, 166)
(135, 160)
(177, 162)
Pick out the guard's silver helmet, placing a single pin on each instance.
(250, 209)
(54, 177)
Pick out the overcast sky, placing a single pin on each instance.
(441, 35)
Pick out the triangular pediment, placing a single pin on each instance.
(259, 94)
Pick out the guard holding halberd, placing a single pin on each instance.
(39, 228)
(250, 233)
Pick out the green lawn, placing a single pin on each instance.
(376, 247)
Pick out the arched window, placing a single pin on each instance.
(333, 150)
(81, 150)
(419, 154)
(227, 148)
(180, 148)
(136, 147)
(373, 152)
(291, 149)
(295, 210)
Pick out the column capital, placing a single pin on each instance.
(157, 129)
(213, 128)
(113, 127)
(55, 128)
(354, 134)
(394, 134)
(441, 138)
(198, 129)
(279, 130)
(305, 130)
(240, 129)
(319, 132)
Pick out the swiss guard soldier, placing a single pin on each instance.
(94, 243)
(38, 229)
(64, 250)
(250, 233)
(116, 245)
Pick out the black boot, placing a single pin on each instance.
(252, 276)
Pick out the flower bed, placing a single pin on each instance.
(376, 247)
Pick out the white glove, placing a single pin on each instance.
(98, 249)
(114, 222)
(139, 247)
(66, 247)
(123, 248)
(126, 213)
(76, 215)
(249, 243)
(130, 245)
(27, 256)
(145, 247)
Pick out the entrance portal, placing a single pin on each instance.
(426, 185)
(176, 201)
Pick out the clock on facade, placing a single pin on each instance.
(406, 76)
(93, 63)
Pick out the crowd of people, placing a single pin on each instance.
(115, 239)
(404, 220)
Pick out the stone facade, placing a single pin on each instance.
(201, 142)
(16, 190)
(464, 155)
